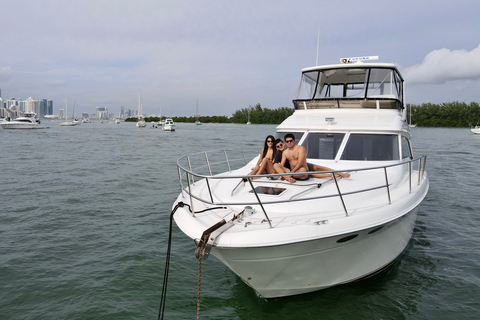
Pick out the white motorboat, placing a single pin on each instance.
(169, 125)
(27, 121)
(285, 238)
(117, 121)
(476, 130)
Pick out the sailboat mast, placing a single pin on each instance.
(139, 104)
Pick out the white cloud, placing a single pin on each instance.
(440, 66)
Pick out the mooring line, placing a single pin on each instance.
(161, 311)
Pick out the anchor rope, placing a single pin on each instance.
(199, 284)
(161, 311)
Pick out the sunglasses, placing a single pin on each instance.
(288, 141)
(280, 145)
(269, 141)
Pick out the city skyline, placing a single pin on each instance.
(45, 107)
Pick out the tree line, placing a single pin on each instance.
(256, 114)
(451, 114)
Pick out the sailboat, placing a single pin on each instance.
(197, 122)
(67, 123)
(410, 123)
(248, 122)
(160, 122)
(141, 122)
(75, 121)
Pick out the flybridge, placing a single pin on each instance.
(352, 84)
(358, 59)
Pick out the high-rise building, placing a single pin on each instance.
(32, 105)
(101, 113)
(11, 102)
(43, 108)
(50, 107)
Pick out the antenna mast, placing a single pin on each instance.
(318, 41)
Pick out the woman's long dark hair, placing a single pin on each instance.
(265, 145)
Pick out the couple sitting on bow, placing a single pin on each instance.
(276, 158)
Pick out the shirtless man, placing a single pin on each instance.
(296, 156)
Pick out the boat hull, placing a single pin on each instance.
(292, 269)
(168, 127)
(9, 125)
(475, 130)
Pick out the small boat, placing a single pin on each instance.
(169, 125)
(27, 121)
(141, 118)
(283, 238)
(248, 122)
(197, 121)
(476, 130)
(117, 121)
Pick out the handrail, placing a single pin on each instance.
(188, 173)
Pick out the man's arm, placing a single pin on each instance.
(284, 159)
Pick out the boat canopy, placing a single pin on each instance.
(358, 85)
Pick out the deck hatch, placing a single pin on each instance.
(268, 190)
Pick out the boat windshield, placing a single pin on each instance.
(355, 82)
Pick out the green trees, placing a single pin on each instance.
(452, 114)
(258, 115)
(261, 115)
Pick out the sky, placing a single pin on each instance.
(227, 54)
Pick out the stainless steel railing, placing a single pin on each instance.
(210, 165)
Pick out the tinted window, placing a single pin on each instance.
(371, 147)
(406, 154)
(323, 145)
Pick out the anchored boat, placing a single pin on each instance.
(286, 238)
(168, 125)
(28, 120)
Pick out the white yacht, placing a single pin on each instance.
(286, 238)
(27, 121)
(476, 130)
(169, 125)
